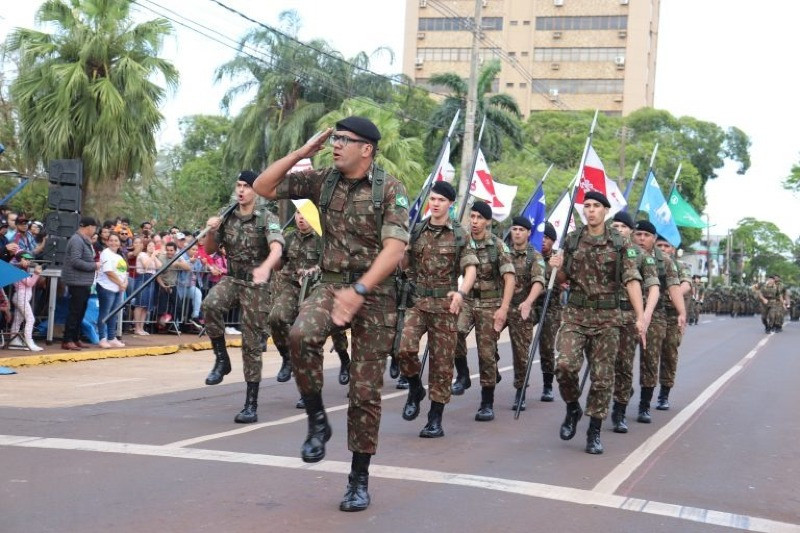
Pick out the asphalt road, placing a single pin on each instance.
(141, 444)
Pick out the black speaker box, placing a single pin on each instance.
(55, 249)
(64, 198)
(66, 172)
(61, 224)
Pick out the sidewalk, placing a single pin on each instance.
(135, 346)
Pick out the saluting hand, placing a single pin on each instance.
(315, 144)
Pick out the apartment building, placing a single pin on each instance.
(555, 54)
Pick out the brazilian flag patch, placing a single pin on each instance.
(274, 227)
(401, 201)
(505, 248)
(650, 261)
(632, 252)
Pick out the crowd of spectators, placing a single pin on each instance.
(109, 261)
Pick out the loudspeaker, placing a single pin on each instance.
(61, 224)
(55, 249)
(66, 198)
(66, 172)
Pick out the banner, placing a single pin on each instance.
(657, 209)
(536, 212)
(499, 196)
(683, 212)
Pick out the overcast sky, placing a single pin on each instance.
(724, 61)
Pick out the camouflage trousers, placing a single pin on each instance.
(372, 331)
(773, 314)
(691, 310)
(442, 331)
(254, 303)
(649, 357)
(521, 332)
(600, 344)
(669, 353)
(482, 319)
(623, 367)
(285, 307)
(547, 341)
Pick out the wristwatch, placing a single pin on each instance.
(360, 289)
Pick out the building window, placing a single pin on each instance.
(513, 22)
(525, 54)
(455, 54)
(523, 85)
(578, 54)
(458, 23)
(598, 86)
(509, 85)
(526, 22)
(606, 22)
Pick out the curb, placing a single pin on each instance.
(90, 355)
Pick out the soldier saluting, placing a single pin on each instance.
(597, 263)
(364, 216)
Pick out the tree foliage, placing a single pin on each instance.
(766, 249)
(792, 181)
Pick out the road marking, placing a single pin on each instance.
(287, 420)
(524, 488)
(110, 382)
(612, 481)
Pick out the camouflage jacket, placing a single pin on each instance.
(247, 238)
(301, 253)
(494, 260)
(528, 269)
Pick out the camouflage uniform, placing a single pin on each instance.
(435, 262)
(301, 252)
(247, 246)
(351, 243)
(547, 340)
(668, 365)
(529, 269)
(629, 335)
(485, 298)
(657, 331)
(591, 320)
(769, 291)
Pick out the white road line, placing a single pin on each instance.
(283, 421)
(109, 382)
(612, 481)
(524, 488)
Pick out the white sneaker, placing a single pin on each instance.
(232, 331)
(32, 346)
(16, 342)
(116, 343)
(104, 344)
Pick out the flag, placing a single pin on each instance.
(445, 172)
(657, 209)
(309, 212)
(614, 196)
(536, 212)
(594, 176)
(683, 212)
(628, 189)
(499, 196)
(558, 217)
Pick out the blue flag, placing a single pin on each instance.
(536, 212)
(657, 208)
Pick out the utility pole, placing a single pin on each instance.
(472, 103)
(708, 251)
(728, 253)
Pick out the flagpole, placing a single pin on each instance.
(535, 342)
(427, 187)
(677, 173)
(525, 205)
(463, 206)
(646, 179)
(629, 188)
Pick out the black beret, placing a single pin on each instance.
(521, 221)
(550, 231)
(662, 238)
(247, 176)
(483, 209)
(445, 189)
(88, 221)
(360, 126)
(646, 225)
(600, 197)
(625, 218)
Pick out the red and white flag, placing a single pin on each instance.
(558, 217)
(593, 178)
(301, 166)
(499, 196)
(445, 172)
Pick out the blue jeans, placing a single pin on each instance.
(107, 301)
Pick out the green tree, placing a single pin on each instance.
(767, 250)
(501, 112)
(792, 181)
(88, 91)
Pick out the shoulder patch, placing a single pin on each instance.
(506, 249)
(273, 226)
(632, 252)
(541, 263)
(472, 244)
(401, 201)
(650, 261)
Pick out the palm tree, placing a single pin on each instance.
(501, 111)
(86, 91)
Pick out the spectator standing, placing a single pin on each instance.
(111, 285)
(23, 237)
(147, 264)
(78, 275)
(23, 294)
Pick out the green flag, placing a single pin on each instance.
(682, 211)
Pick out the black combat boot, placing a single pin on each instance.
(618, 418)
(222, 363)
(402, 383)
(248, 414)
(433, 429)
(519, 398)
(285, 373)
(663, 399)
(344, 370)
(416, 392)
(319, 432)
(301, 403)
(570, 424)
(498, 378)
(593, 444)
(356, 497)
(394, 368)
(463, 381)
(486, 411)
(547, 390)
(644, 406)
